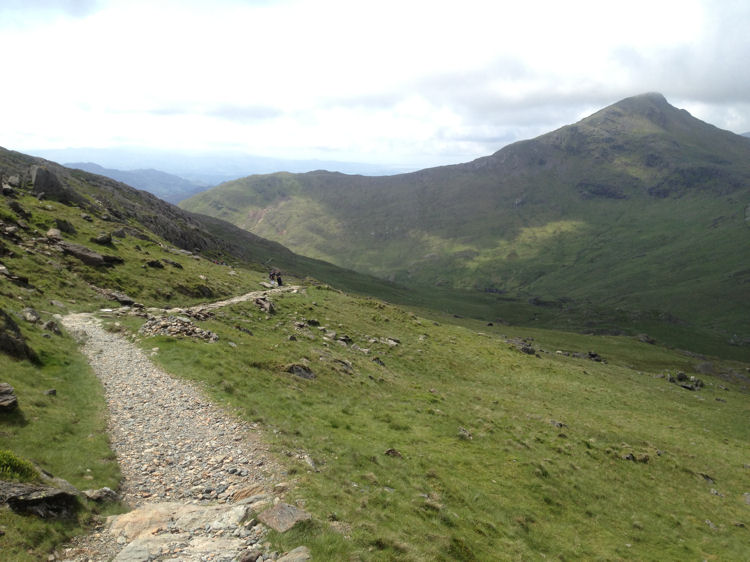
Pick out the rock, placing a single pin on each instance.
(48, 186)
(645, 338)
(393, 453)
(283, 517)
(299, 554)
(172, 263)
(464, 434)
(120, 297)
(15, 206)
(102, 495)
(86, 255)
(378, 361)
(250, 555)
(156, 264)
(12, 341)
(265, 305)
(30, 315)
(65, 226)
(103, 238)
(176, 326)
(301, 371)
(8, 398)
(54, 234)
(42, 501)
(50, 392)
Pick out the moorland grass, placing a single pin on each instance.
(501, 455)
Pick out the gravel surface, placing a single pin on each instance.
(172, 444)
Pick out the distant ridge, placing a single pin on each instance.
(169, 187)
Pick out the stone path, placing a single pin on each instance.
(194, 474)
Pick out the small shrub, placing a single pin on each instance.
(15, 468)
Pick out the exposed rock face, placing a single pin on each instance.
(12, 341)
(65, 226)
(283, 517)
(104, 238)
(301, 371)
(42, 501)
(8, 399)
(86, 255)
(49, 186)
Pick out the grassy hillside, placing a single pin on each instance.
(422, 436)
(424, 440)
(639, 208)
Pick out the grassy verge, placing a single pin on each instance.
(63, 433)
(493, 453)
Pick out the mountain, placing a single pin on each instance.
(169, 187)
(202, 167)
(639, 209)
(406, 434)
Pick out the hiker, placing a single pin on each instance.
(278, 279)
(272, 276)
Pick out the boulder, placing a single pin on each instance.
(52, 326)
(301, 371)
(103, 238)
(65, 226)
(54, 234)
(42, 501)
(8, 398)
(12, 341)
(299, 554)
(15, 206)
(30, 315)
(86, 255)
(102, 495)
(47, 185)
(283, 517)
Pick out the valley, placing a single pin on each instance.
(549, 366)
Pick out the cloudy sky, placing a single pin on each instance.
(398, 82)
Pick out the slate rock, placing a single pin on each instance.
(52, 326)
(54, 234)
(283, 517)
(8, 398)
(12, 341)
(299, 554)
(102, 495)
(30, 315)
(65, 226)
(86, 255)
(15, 206)
(103, 238)
(42, 501)
(301, 371)
(48, 186)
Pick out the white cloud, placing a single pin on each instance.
(414, 82)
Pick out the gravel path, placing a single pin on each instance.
(173, 445)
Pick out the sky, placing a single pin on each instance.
(408, 83)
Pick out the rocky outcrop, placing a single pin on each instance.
(8, 398)
(48, 186)
(86, 255)
(283, 517)
(42, 501)
(12, 341)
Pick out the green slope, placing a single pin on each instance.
(503, 454)
(639, 207)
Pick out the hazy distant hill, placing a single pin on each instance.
(168, 187)
(639, 207)
(202, 167)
